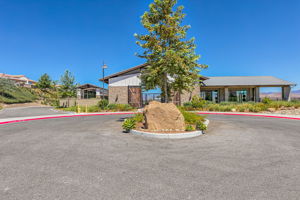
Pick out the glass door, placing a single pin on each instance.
(215, 96)
(241, 95)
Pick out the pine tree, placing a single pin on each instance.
(171, 57)
(44, 82)
(68, 87)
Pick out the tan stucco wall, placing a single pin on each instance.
(118, 94)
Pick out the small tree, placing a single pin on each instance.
(172, 59)
(44, 82)
(67, 87)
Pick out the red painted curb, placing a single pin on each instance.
(63, 116)
(128, 113)
(250, 115)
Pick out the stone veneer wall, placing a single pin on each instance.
(187, 96)
(118, 94)
(81, 102)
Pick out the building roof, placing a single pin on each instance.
(16, 77)
(105, 79)
(139, 67)
(2, 75)
(86, 86)
(267, 81)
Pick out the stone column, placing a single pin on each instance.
(251, 96)
(222, 94)
(286, 93)
(257, 94)
(187, 96)
(118, 94)
(226, 94)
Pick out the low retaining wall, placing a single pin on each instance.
(82, 102)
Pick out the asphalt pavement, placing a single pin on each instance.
(86, 158)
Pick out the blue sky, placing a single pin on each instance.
(234, 37)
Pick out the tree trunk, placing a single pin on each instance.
(166, 88)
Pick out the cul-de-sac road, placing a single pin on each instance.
(82, 158)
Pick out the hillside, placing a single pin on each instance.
(295, 94)
(9, 93)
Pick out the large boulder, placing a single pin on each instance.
(163, 117)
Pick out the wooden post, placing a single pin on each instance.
(78, 108)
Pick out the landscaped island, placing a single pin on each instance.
(165, 118)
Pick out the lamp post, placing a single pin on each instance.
(104, 66)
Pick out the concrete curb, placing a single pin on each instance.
(170, 136)
(33, 118)
(279, 116)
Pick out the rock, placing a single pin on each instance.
(271, 109)
(233, 110)
(162, 116)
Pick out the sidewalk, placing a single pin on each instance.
(66, 115)
(271, 115)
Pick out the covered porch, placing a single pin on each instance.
(242, 89)
(89, 91)
(243, 94)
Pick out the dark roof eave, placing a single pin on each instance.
(88, 86)
(270, 85)
(105, 79)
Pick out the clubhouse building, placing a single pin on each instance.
(125, 88)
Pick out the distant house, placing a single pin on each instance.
(125, 88)
(89, 91)
(19, 80)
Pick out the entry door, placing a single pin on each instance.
(135, 96)
(215, 96)
(241, 95)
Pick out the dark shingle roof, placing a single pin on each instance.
(246, 81)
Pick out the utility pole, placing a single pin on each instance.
(104, 66)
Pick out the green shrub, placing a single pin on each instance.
(197, 102)
(266, 100)
(201, 126)
(92, 109)
(188, 106)
(128, 124)
(112, 106)
(191, 118)
(124, 107)
(138, 117)
(119, 107)
(70, 109)
(243, 107)
(189, 128)
(103, 104)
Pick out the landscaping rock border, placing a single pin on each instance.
(170, 135)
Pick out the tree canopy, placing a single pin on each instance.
(173, 63)
(44, 82)
(68, 86)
